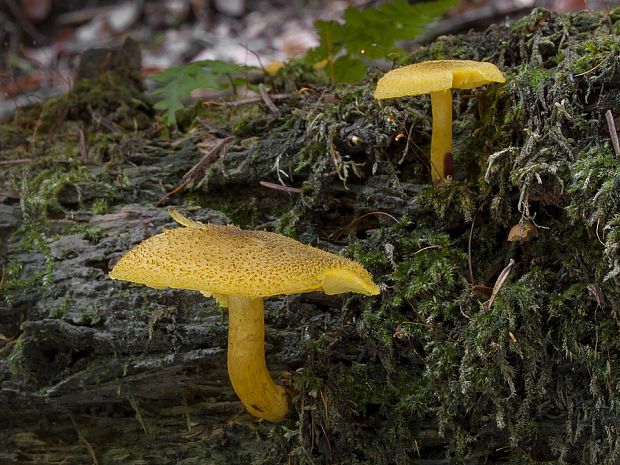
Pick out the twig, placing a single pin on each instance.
(169, 194)
(330, 56)
(83, 440)
(265, 96)
(501, 279)
(407, 145)
(469, 260)
(262, 67)
(280, 187)
(198, 170)
(212, 155)
(358, 219)
(188, 419)
(135, 405)
(611, 124)
(329, 446)
(101, 120)
(82, 145)
(601, 63)
(428, 247)
(75, 18)
(17, 161)
(244, 101)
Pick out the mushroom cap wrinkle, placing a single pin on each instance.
(225, 260)
(433, 76)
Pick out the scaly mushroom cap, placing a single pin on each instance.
(226, 260)
(433, 76)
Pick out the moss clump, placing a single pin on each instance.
(439, 369)
(596, 198)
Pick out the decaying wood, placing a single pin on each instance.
(100, 371)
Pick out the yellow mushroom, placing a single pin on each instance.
(238, 268)
(438, 78)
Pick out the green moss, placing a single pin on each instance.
(594, 53)
(110, 96)
(531, 23)
(44, 117)
(100, 207)
(488, 378)
(92, 317)
(536, 77)
(12, 281)
(450, 198)
(61, 310)
(287, 222)
(596, 198)
(296, 74)
(15, 280)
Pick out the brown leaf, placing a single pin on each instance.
(501, 279)
(523, 231)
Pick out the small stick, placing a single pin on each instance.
(83, 440)
(82, 145)
(407, 145)
(212, 155)
(18, 161)
(244, 101)
(611, 124)
(280, 187)
(471, 235)
(428, 247)
(501, 279)
(103, 121)
(167, 195)
(265, 96)
(340, 231)
(197, 170)
(600, 64)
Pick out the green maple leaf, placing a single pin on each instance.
(179, 82)
(371, 33)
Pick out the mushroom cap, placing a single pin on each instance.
(225, 260)
(433, 76)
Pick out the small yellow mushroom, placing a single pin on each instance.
(438, 78)
(238, 268)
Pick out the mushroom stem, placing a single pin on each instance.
(441, 139)
(246, 360)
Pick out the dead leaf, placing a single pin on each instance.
(595, 292)
(501, 279)
(523, 231)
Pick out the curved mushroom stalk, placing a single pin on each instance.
(246, 360)
(441, 139)
(223, 262)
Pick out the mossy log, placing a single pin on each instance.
(479, 350)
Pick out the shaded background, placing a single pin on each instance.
(42, 38)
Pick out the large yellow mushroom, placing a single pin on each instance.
(438, 78)
(238, 268)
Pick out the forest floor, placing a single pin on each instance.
(479, 349)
